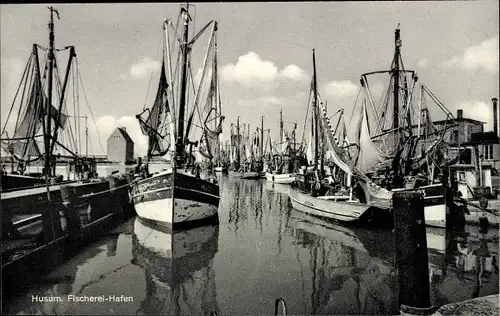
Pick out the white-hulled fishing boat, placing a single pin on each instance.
(181, 195)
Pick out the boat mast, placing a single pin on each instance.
(395, 76)
(182, 102)
(315, 109)
(281, 131)
(238, 153)
(323, 135)
(49, 93)
(262, 139)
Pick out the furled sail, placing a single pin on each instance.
(284, 143)
(369, 155)
(32, 114)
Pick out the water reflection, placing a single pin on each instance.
(263, 249)
(342, 269)
(466, 268)
(75, 277)
(178, 266)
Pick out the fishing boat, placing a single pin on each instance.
(178, 267)
(181, 195)
(242, 166)
(311, 192)
(220, 160)
(400, 149)
(40, 122)
(284, 162)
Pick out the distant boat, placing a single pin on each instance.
(41, 112)
(181, 195)
(284, 161)
(242, 164)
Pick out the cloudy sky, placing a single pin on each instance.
(265, 54)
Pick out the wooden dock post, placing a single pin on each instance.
(411, 253)
(73, 222)
(115, 197)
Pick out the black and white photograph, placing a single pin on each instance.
(250, 158)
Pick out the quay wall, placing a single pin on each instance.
(76, 215)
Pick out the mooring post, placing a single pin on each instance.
(73, 222)
(411, 253)
(116, 203)
(50, 222)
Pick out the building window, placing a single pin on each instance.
(488, 152)
(461, 176)
(454, 136)
(465, 157)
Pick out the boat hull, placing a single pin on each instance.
(175, 199)
(244, 175)
(14, 181)
(286, 178)
(343, 211)
(436, 209)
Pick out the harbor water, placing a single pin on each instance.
(261, 250)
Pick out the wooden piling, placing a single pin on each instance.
(411, 253)
(115, 193)
(73, 222)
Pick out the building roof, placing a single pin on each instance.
(457, 120)
(125, 135)
(484, 138)
(123, 132)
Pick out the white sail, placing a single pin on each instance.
(309, 152)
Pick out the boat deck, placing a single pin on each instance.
(29, 191)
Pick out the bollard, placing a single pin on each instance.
(49, 223)
(116, 206)
(411, 253)
(73, 222)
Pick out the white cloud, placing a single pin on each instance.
(484, 55)
(480, 111)
(107, 125)
(294, 72)
(250, 69)
(270, 100)
(423, 63)
(142, 69)
(340, 89)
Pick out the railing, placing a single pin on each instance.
(73, 215)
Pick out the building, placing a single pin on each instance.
(120, 147)
(478, 163)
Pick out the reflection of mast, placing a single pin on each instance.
(280, 228)
(314, 257)
(297, 255)
(237, 208)
(260, 208)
